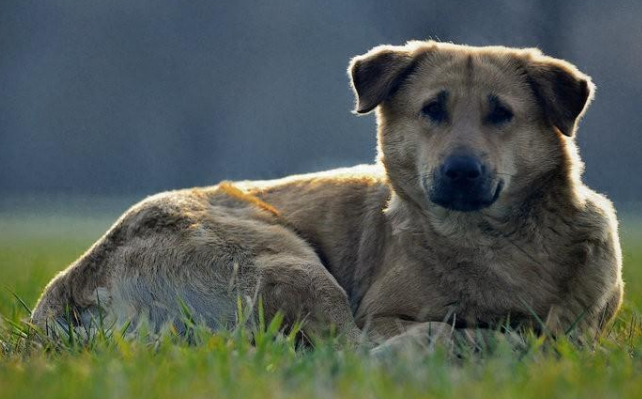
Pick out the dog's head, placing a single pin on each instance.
(463, 128)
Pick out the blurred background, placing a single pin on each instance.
(120, 99)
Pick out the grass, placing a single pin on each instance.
(227, 365)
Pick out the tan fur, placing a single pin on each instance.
(364, 248)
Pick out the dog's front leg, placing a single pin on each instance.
(581, 322)
(418, 337)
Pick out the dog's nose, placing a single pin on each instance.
(462, 168)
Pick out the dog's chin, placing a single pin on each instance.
(465, 201)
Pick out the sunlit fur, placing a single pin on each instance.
(365, 248)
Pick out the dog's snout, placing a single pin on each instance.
(462, 168)
(464, 183)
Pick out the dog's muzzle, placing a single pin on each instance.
(464, 184)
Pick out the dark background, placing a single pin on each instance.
(131, 97)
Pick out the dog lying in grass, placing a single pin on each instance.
(474, 216)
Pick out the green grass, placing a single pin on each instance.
(227, 365)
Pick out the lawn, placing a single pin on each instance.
(33, 248)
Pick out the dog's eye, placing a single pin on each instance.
(436, 111)
(499, 113)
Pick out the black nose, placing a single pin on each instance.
(462, 168)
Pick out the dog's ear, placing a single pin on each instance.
(376, 74)
(562, 91)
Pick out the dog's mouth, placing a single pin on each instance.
(466, 197)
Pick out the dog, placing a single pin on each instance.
(474, 215)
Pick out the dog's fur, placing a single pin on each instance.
(367, 248)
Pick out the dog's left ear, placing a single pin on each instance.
(376, 74)
(562, 91)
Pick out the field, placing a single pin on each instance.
(33, 248)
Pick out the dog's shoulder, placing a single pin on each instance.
(595, 232)
(597, 218)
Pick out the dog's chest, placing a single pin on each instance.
(487, 285)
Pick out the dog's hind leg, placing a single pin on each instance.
(302, 289)
(185, 251)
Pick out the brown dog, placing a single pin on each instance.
(475, 214)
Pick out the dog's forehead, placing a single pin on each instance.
(470, 69)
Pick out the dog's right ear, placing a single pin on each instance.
(376, 74)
